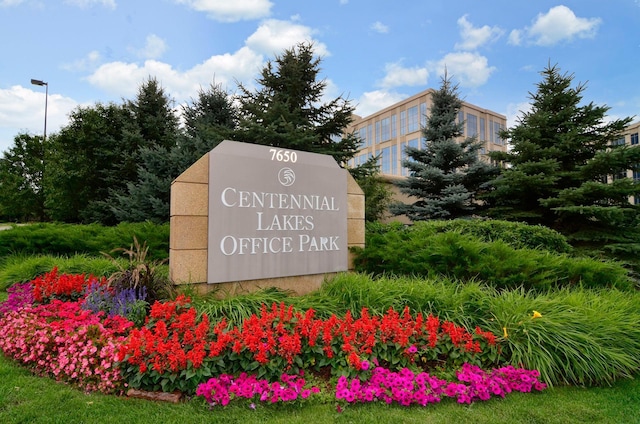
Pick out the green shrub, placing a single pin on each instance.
(92, 239)
(420, 251)
(515, 234)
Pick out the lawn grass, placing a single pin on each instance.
(25, 398)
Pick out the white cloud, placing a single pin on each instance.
(230, 10)
(515, 37)
(373, 101)
(473, 37)
(379, 27)
(111, 4)
(8, 3)
(23, 108)
(154, 48)
(274, 36)
(397, 76)
(470, 69)
(515, 112)
(87, 63)
(561, 24)
(123, 79)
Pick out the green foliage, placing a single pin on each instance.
(516, 234)
(21, 170)
(68, 239)
(93, 154)
(583, 337)
(208, 121)
(565, 167)
(446, 175)
(235, 309)
(286, 111)
(377, 196)
(412, 251)
(21, 267)
(30, 398)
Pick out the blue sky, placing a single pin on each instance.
(375, 52)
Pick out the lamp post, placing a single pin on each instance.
(46, 99)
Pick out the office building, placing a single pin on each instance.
(388, 131)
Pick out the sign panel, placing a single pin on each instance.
(274, 213)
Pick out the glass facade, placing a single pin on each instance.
(412, 119)
(472, 125)
(387, 133)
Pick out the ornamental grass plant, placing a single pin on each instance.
(21, 267)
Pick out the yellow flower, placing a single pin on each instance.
(504, 330)
(536, 314)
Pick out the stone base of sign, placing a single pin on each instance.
(188, 250)
(158, 396)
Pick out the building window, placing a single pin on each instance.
(472, 125)
(403, 153)
(483, 136)
(403, 122)
(618, 142)
(636, 173)
(423, 115)
(634, 138)
(388, 160)
(362, 133)
(377, 132)
(386, 129)
(495, 132)
(369, 135)
(394, 132)
(412, 120)
(461, 119)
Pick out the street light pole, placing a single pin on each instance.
(46, 100)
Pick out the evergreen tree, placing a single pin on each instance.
(154, 115)
(447, 175)
(208, 120)
(287, 110)
(154, 125)
(566, 169)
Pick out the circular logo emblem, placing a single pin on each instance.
(287, 177)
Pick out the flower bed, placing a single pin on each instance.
(176, 349)
(76, 341)
(64, 341)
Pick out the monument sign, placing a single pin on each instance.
(274, 213)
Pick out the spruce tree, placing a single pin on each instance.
(209, 119)
(447, 175)
(287, 110)
(566, 169)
